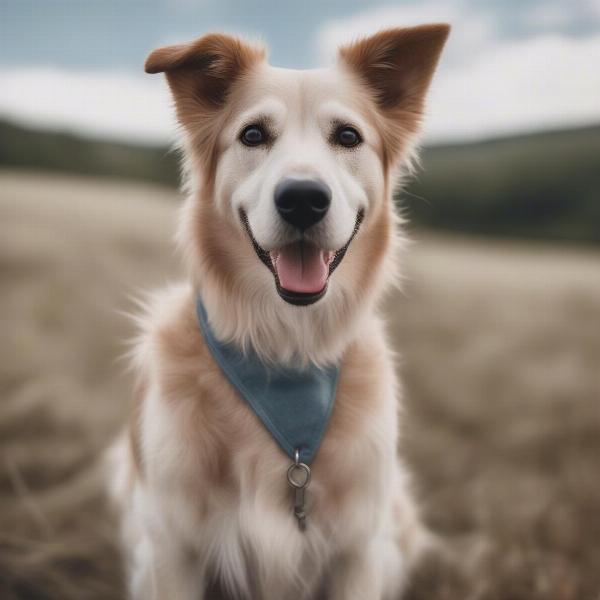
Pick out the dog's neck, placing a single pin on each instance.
(282, 333)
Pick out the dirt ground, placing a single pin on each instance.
(500, 358)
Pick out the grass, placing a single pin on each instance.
(500, 347)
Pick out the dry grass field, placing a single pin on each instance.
(500, 355)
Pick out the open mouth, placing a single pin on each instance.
(301, 269)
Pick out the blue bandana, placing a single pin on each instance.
(293, 404)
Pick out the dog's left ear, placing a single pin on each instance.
(397, 66)
(203, 71)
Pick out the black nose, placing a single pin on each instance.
(302, 202)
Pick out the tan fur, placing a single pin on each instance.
(135, 428)
(209, 499)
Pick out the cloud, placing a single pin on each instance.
(103, 103)
(546, 82)
(486, 84)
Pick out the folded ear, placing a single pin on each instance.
(204, 70)
(398, 64)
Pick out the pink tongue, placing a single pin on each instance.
(302, 267)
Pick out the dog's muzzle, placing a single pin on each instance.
(301, 269)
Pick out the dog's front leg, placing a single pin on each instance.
(357, 575)
(164, 571)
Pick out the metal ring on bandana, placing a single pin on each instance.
(300, 467)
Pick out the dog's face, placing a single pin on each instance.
(300, 163)
(299, 167)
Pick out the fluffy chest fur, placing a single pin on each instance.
(218, 477)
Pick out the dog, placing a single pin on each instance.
(290, 239)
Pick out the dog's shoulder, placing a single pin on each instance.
(367, 397)
(165, 316)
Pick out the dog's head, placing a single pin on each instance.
(290, 222)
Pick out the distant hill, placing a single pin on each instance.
(544, 185)
(65, 152)
(539, 185)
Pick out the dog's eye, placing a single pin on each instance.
(347, 137)
(253, 135)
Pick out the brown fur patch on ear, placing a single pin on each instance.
(214, 61)
(397, 66)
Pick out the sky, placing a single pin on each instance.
(510, 66)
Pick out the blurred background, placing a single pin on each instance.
(498, 324)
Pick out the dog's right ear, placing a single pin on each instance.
(396, 66)
(203, 71)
